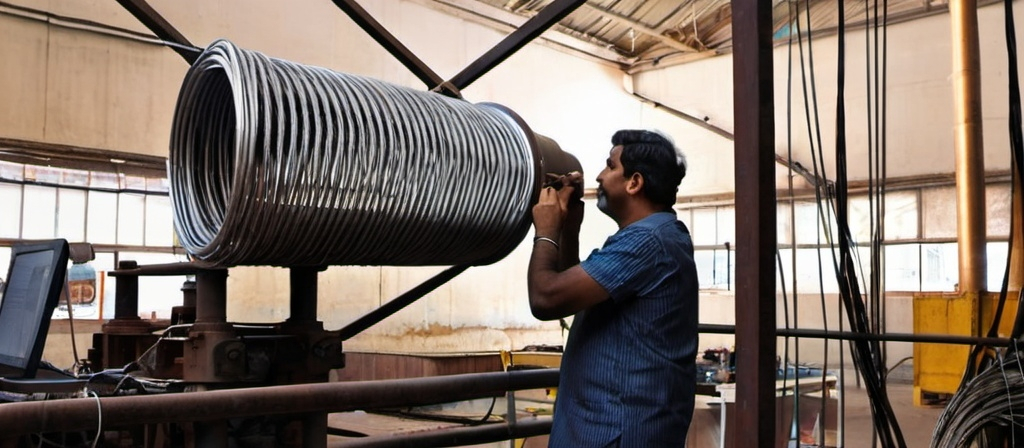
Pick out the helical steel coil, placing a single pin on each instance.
(276, 163)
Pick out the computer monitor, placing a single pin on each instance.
(34, 283)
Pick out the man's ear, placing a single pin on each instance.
(635, 184)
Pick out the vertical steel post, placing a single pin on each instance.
(753, 106)
(303, 299)
(968, 145)
(211, 296)
(126, 293)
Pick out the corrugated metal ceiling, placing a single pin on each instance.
(644, 34)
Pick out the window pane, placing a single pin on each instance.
(75, 177)
(814, 274)
(101, 222)
(159, 221)
(938, 212)
(860, 219)
(157, 184)
(725, 269)
(71, 214)
(997, 207)
(901, 216)
(726, 225)
(43, 174)
(10, 221)
(809, 228)
(717, 269)
(10, 170)
(100, 179)
(135, 182)
(705, 262)
(40, 212)
(131, 212)
(939, 269)
(902, 267)
(783, 230)
(996, 264)
(704, 226)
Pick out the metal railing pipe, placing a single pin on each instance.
(813, 333)
(458, 436)
(81, 414)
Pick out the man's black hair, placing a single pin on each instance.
(656, 159)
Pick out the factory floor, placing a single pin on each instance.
(915, 422)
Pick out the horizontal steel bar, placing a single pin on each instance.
(851, 336)
(83, 413)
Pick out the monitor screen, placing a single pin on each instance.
(34, 282)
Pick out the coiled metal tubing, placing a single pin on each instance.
(276, 163)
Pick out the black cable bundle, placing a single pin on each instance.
(866, 354)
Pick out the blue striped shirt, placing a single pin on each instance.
(628, 375)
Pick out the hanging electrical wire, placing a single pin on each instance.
(866, 354)
(276, 163)
(832, 200)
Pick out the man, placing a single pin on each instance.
(628, 372)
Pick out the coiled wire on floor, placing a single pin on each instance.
(993, 399)
(276, 163)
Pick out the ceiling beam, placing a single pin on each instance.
(391, 43)
(546, 18)
(162, 28)
(505, 21)
(643, 29)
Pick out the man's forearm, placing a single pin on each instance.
(543, 268)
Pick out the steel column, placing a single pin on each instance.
(550, 15)
(303, 299)
(968, 145)
(126, 293)
(211, 296)
(753, 111)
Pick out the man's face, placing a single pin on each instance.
(611, 183)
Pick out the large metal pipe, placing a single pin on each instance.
(1016, 280)
(968, 146)
(460, 436)
(81, 413)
